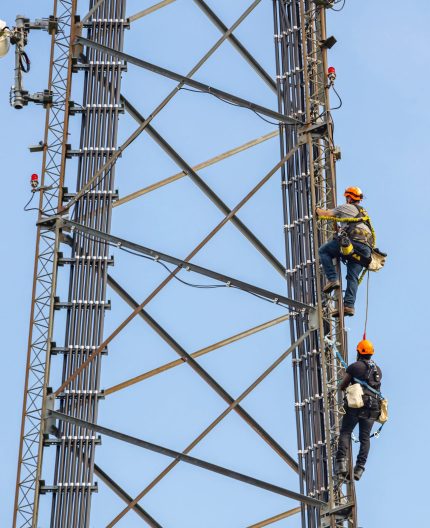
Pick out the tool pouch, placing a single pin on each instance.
(377, 261)
(354, 396)
(383, 416)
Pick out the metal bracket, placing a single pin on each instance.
(313, 319)
(49, 421)
(316, 130)
(49, 24)
(340, 513)
(324, 3)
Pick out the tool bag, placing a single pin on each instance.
(377, 260)
(354, 396)
(383, 416)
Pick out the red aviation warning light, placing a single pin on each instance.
(331, 74)
(34, 180)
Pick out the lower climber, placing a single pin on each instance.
(361, 236)
(364, 369)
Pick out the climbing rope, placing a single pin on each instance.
(367, 304)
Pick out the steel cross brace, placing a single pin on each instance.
(203, 186)
(218, 388)
(209, 428)
(188, 81)
(112, 159)
(186, 458)
(237, 44)
(110, 483)
(157, 255)
(126, 297)
(49, 426)
(207, 378)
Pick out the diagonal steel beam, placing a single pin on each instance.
(163, 368)
(204, 187)
(276, 518)
(238, 45)
(202, 165)
(150, 10)
(116, 488)
(91, 12)
(93, 181)
(166, 281)
(214, 385)
(276, 298)
(184, 79)
(187, 459)
(208, 429)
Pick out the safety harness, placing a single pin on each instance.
(377, 258)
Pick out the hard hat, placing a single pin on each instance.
(365, 347)
(354, 192)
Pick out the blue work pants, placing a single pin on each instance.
(330, 251)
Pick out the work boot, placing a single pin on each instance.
(358, 472)
(331, 285)
(348, 311)
(341, 467)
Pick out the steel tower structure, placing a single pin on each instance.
(60, 425)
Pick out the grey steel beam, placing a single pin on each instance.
(203, 374)
(188, 459)
(116, 488)
(150, 10)
(125, 296)
(226, 96)
(208, 429)
(158, 255)
(237, 44)
(203, 186)
(199, 166)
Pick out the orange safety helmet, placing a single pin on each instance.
(365, 347)
(355, 193)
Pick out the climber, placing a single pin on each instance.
(364, 370)
(359, 234)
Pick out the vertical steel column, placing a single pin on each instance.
(74, 464)
(45, 268)
(309, 182)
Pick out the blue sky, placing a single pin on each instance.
(381, 59)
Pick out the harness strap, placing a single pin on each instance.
(354, 220)
(361, 382)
